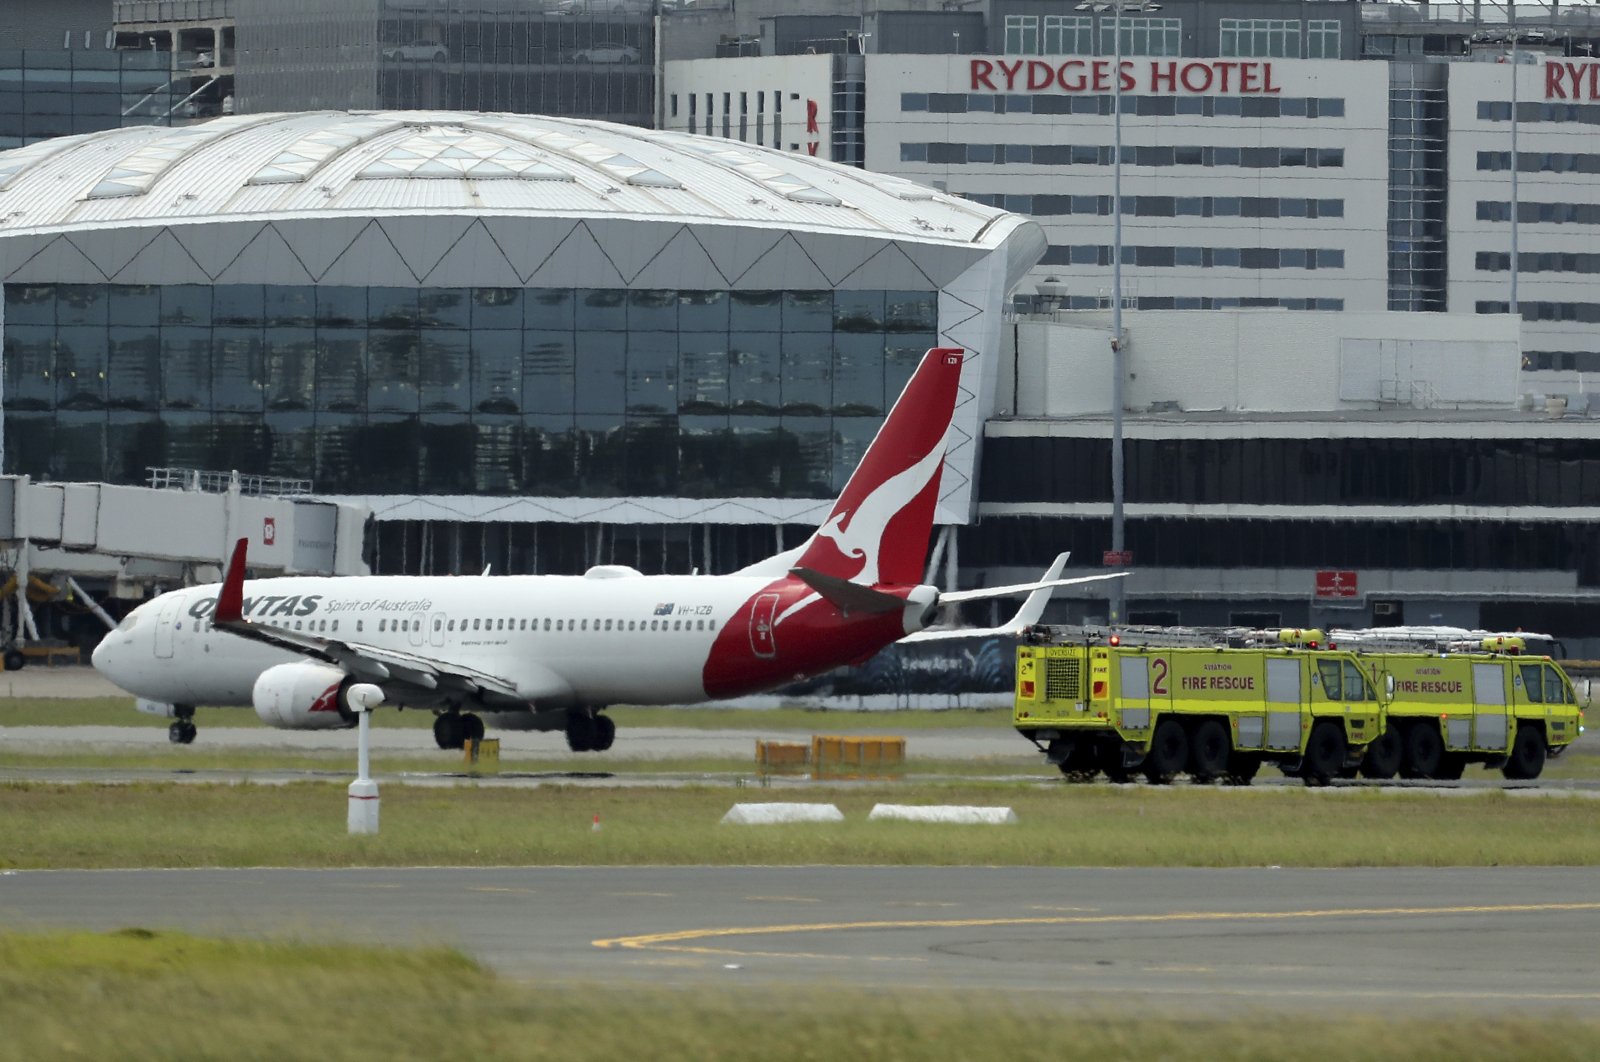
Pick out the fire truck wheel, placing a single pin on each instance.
(1424, 751)
(1527, 754)
(1242, 768)
(1108, 756)
(1208, 750)
(1450, 767)
(1382, 760)
(1325, 753)
(1169, 752)
(1079, 763)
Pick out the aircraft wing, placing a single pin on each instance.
(369, 663)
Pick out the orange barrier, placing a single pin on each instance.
(777, 756)
(866, 757)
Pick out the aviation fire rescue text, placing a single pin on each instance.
(1219, 682)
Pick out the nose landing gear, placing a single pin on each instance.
(182, 731)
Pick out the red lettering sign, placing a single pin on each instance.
(269, 530)
(811, 117)
(1164, 76)
(1336, 584)
(1572, 81)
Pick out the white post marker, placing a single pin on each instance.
(363, 812)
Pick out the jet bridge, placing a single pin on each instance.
(74, 543)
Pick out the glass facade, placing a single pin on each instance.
(1418, 194)
(1198, 542)
(497, 57)
(1393, 472)
(45, 94)
(549, 392)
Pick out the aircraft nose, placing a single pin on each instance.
(110, 656)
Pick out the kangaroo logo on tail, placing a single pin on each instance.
(878, 530)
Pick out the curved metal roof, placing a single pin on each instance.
(441, 162)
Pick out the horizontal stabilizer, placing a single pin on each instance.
(1031, 612)
(848, 597)
(1021, 588)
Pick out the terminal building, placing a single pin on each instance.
(534, 343)
(543, 343)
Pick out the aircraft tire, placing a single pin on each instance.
(472, 726)
(605, 732)
(449, 732)
(182, 732)
(581, 731)
(15, 660)
(1526, 760)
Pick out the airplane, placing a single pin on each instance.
(548, 652)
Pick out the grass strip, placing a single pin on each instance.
(137, 994)
(303, 824)
(190, 759)
(119, 711)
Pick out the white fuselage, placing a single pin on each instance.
(560, 639)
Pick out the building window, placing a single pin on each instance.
(1068, 35)
(1322, 39)
(1266, 38)
(1143, 36)
(1022, 34)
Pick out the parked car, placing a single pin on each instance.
(606, 53)
(417, 52)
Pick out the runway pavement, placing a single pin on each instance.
(1508, 939)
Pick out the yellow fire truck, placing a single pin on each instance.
(1120, 703)
(1460, 697)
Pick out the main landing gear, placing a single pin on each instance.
(589, 732)
(182, 731)
(452, 730)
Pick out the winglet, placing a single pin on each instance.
(230, 602)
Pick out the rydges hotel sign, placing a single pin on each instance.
(1184, 77)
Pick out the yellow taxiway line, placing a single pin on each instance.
(678, 940)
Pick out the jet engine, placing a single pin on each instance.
(922, 608)
(303, 696)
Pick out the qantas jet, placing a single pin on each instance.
(551, 652)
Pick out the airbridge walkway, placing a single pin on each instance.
(68, 547)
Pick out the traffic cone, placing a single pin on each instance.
(596, 827)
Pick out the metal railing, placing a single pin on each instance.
(213, 482)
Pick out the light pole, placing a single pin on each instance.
(1516, 165)
(1116, 7)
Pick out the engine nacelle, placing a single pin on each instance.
(921, 609)
(303, 696)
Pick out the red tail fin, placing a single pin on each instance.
(878, 530)
(230, 601)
